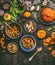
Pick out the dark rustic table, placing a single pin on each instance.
(21, 58)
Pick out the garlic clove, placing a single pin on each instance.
(37, 7)
(32, 8)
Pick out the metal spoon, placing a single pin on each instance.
(26, 61)
(38, 50)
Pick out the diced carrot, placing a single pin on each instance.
(53, 52)
(52, 42)
(46, 44)
(54, 56)
(50, 48)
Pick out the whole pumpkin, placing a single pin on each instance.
(48, 14)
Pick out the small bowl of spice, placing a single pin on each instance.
(6, 6)
(12, 47)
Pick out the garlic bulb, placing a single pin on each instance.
(32, 8)
(38, 7)
(45, 2)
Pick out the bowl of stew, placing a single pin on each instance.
(27, 43)
(13, 30)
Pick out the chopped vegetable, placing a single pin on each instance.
(53, 35)
(12, 47)
(45, 2)
(30, 26)
(14, 31)
(27, 42)
(32, 8)
(49, 29)
(2, 43)
(48, 41)
(14, 10)
(53, 52)
(54, 56)
(52, 43)
(50, 48)
(37, 7)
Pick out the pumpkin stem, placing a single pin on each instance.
(48, 15)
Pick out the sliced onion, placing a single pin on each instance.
(1, 12)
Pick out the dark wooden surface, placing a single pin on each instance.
(21, 58)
